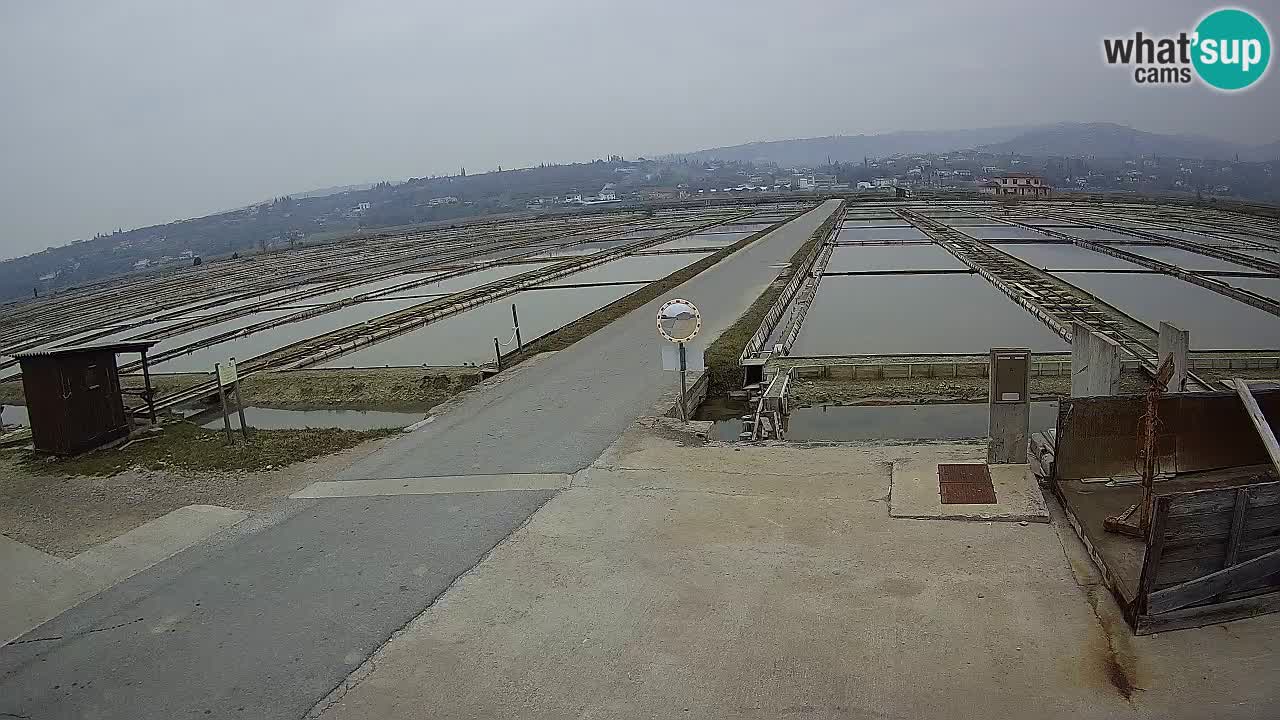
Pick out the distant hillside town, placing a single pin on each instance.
(1022, 162)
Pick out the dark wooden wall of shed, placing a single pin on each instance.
(73, 401)
(1098, 436)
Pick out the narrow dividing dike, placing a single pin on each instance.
(724, 356)
(564, 337)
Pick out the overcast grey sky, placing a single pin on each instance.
(127, 113)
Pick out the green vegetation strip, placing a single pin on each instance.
(572, 333)
(184, 448)
(722, 355)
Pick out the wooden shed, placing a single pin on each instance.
(1211, 552)
(74, 399)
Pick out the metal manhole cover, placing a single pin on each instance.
(967, 473)
(965, 485)
(967, 494)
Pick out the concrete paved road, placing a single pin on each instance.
(560, 416)
(262, 624)
(267, 621)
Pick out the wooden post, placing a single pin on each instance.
(497, 352)
(244, 428)
(1259, 421)
(235, 389)
(222, 397)
(683, 389)
(148, 395)
(515, 320)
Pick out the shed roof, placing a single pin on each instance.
(126, 346)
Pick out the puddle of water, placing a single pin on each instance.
(726, 415)
(856, 258)
(836, 423)
(14, 415)
(1216, 322)
(884, 314)
(1061, 256)
(274, 419)
(847, 423)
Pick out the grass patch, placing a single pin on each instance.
(572, 333)
(185, 448)
(722, 355)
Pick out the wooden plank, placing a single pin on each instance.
(1155, 548)
(1222, 500)
(1237, 528)
(1203, 588)
(1259, 421)
(1178, 565)
(1208, 614)
(1217, 526)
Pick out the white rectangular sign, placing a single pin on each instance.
(227, 372)
(693, 359)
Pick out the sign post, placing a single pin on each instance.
(235, 388)
(678, 322)
(228, 377)
(222, 397)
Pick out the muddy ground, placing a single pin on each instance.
(408, 389)
(65, 507)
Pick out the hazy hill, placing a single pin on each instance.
(310, 216)
(808, 152)
(1063, 139)
(1111, 140)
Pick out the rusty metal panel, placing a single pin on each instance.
(967, 494)
(1215, 432)
(965, 484)
(1099, 436)
(964, 473)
